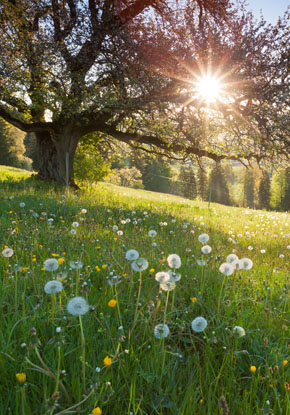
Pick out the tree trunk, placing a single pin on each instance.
(51, 151)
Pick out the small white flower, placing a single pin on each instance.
(226, 268)
(58, 330)
(154, 244)
(7, 252)
(161, 331)
(77, 306)
(250, 248)
(152, 233)
(53, 287)
(199, 324)
(203, 238)
(232, 259)
(22, 204)
(115, 228)
(73, 231)
(76, 264)
(119, 233)
(167, 286)
(84, 211)
(51, 264)
(162, 276)
(132, 255)
(245, 263)
(98, 369)
(263, 251)
(239, 331)
(139, 265)
(174, 261)
(206, 249)
(174, 276)
(75, 224)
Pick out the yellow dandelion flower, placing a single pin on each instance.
(152, 270)
(60, 261)
(98, 268)
(24, 270)
(42, 269)
(285, 362)
(104, 266)
(112, 303)
(21, 378)
(194, 300)
(124, 275)
(253, 369)
(64, 253)
(98, 247)
(115, 239)
(55, 255)
(40, 246)
(33, 259)
(97, 411)
(108, 361)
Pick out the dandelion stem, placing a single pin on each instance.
(163, 348)
(137, 302)
(83, 350)
(22, 392)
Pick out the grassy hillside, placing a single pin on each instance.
(112, 359)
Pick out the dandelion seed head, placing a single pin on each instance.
(77, 306)
(7, 252)
(53, 287)
(203, 238)
(161, 331)
(132, 255)
(162, 276)
(51, 264)
(199, 324)
(174, 261)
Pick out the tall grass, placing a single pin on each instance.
(109, 358)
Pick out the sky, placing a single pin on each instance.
(271, 9)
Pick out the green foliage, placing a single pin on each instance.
(157, 176)
(188, 182)
(264, 191)
(249, 186)
(89, 164)
(11, 147)
(202, 189)
(286, 196)
(218, 187)
(127, 176)
(278, 186)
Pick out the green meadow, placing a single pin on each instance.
(131, 344)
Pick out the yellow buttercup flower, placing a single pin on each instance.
(285, 362)
(112, 303)
(108, 361)
(21, 378)
(60, 261)
(253, 369)
(97, 411)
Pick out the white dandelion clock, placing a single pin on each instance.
(139, 265)
(239, 331)
(232, 259)
(200, 262)
(162, 276)
(22, 204)
(53, 287)
(161, 331)
(77, 306)
(226, 268)
(76, 264)
(199, 324)
(174, 276)
(245, 263)
(132, 255)
(51, 264)
(174, 261)
(73, 231)
(167, 286)
(152, 233)
(7, 252)
(206, 249)
(75, 224)
(203, 238)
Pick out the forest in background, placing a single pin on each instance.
(228, 183)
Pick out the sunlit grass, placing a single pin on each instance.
(111, 359)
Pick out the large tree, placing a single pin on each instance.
(127, 70)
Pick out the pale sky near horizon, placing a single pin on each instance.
(271, 9)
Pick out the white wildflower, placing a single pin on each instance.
(199, 324)
(77, 306)
(132, 255)
(51, 264)
(161, 331)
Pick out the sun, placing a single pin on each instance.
(208, 88)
